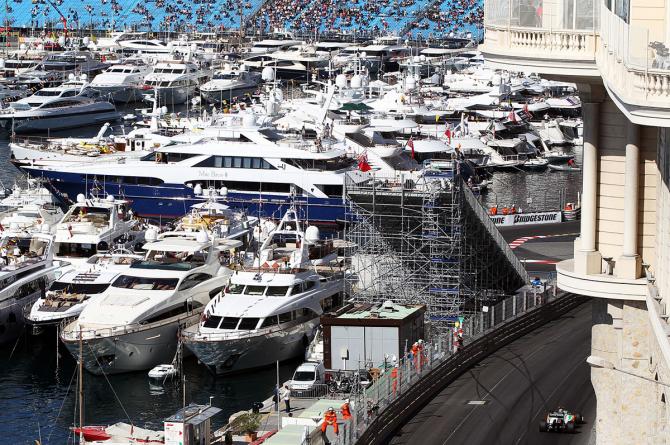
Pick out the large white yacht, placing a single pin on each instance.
(144, 46)
(263, 170)
(71, 105)
(177, 81)
(229, 83)
(73, 87)
(299, 62)
(92, 225)
(123, 82)
(134, 324)
(26, 269)
(270, 309)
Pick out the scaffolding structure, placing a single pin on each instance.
(419, 239)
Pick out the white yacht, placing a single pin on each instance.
(176, 81)
(69, 294)
(229, 83)
(73, 87)
(144, 46)
(92, 225)
(123, 82)
(134, 324)
(71, 105)
(270, 309)
(271, 45)
(263, 170)
(299, 62)
(26, 269)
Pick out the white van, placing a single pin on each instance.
(307, 376)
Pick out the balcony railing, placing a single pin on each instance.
(633, 62)
(556, 33)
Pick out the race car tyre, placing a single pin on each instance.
(570, 427)
(543, 426)
(578, 418)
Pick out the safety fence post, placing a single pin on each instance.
(525, 301)
(514, 306)
(504, 312)
(493, 316)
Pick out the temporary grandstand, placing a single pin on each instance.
(427, 241)
(411, 18)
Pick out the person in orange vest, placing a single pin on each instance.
(345, 409)
(330, 419)
(415, 355)
(505, 211)
(494, 210)
(394, 379)
(513, 209)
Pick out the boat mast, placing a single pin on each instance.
(81, 389)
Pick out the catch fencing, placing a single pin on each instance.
(412, 371)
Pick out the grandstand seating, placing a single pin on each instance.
(200, 15)
(413, 17)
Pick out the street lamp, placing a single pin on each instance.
(599, 362)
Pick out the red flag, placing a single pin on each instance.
(410, 144)
(525, 108)
(447, 132)
(512, 116)
(363, 163)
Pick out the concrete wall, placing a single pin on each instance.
(630, 410)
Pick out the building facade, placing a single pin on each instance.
(617, 53)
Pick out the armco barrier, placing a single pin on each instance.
(417, 395)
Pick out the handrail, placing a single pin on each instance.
(490, 226)
(69, 330)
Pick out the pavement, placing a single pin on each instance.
(541, 246)
(503, 398)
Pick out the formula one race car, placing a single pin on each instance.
(561, 421)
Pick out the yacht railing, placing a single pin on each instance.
(197, 336)
(71, 332)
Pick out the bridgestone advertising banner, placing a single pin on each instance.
(527, 218)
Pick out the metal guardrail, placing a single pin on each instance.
(490, 226)
(419, 383)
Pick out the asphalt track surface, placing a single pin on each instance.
(549, 244)
(517, 385)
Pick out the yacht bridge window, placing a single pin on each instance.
(235, 162)
(332, 164)
(75, 250)
(193, 280)
(277, 291)
(167, 157)
(79, 288)
(145, 283)
(249, 186)
(247, 324)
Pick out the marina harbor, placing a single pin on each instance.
(293, 222)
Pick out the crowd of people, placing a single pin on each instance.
(453, 16)
(324, 16)
(333, 15)
(186, 15)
